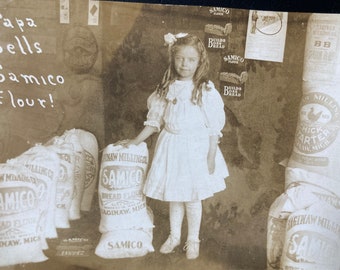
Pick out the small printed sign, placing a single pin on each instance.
(74, 247)
(64, 11)
(216, 14)
(221, 12)
(93, 15)
(216, 36)
(233, 76)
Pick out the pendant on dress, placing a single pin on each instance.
(173, 101)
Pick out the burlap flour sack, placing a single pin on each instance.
(70, 136)
(313, 239)
(90, 147)
(20, 240)
(121, 200)
(65, 181)
(44, 163)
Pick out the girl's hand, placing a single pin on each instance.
(126, 143)
(141, 137)
(211, 164)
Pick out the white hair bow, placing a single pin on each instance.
(170, 39)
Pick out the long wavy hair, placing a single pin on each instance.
(201, 74)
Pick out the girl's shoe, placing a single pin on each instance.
(169, 245)
(192, 249)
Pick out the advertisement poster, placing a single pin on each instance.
(266, 35)
(233, 76)
(153, 136)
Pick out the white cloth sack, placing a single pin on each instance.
(20, 240)
(65, 181)
(90, 147)
(313, 239)
(70, 136)
(125, 243)
(122, 175)
(304, 189)
(44, 163)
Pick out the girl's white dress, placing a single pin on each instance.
(179, 169)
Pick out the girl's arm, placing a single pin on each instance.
(144, 134)
(213, 142)
(141, 137)
(153, 123)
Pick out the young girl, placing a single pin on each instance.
(188, 165)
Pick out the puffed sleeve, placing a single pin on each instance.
(156, 106)
(213, 109)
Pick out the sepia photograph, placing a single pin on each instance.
(165, 136)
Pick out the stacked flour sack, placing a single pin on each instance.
(126, 222)
(304, 221)
(40, 191)
(27, 190)
(78, 153)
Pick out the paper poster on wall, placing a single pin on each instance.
(218, 28)
(93, 18)
(266, 35)
(233, 76)
(64, 11)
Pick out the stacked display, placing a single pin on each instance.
(41, 190)
(126, 222)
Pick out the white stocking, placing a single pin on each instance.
(176, 218)
(194, 216)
